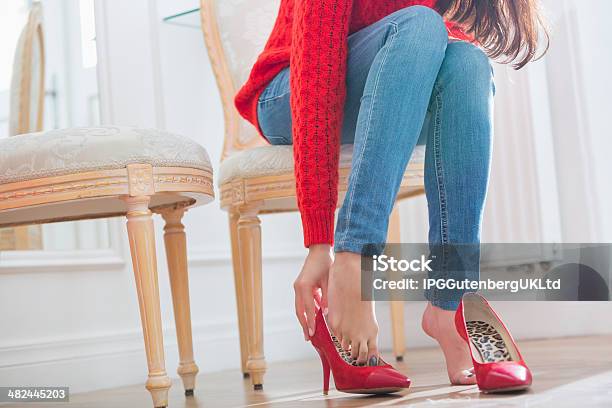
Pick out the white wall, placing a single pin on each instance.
(76, 322)
(580, 105)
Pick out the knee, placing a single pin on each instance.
(467, 66)
(427, 16)
(422, 22)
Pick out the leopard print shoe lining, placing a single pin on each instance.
(487, 340)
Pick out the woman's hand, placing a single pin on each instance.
(311, 286)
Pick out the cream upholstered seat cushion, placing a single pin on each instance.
(275, 160)
(68, 151)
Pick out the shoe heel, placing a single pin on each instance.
(326, 372)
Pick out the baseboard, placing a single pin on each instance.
(19, 262)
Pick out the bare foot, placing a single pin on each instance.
(439, 324)
(351, 320)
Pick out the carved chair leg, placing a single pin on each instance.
(249, 238)
(176, 253)
(239, 285)
(142, 245)
(396, 306)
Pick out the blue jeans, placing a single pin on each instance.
(408, 85)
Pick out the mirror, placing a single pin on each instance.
(53, 40)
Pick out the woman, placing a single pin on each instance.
(384, 75)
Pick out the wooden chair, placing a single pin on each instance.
(26, 108)
(108, 171)
(117, 171)
(256, 178)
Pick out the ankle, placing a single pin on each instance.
(347, 265)
(437, 321)
(345, 279)
(347, 259)
(428, 321)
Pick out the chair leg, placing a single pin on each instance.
(142, 245)
(239, 285)
(176, 253)
(396, 306)
(249, 238)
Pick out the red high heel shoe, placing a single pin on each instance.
(349, 377)
(498, 364)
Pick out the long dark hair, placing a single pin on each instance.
(504, 28)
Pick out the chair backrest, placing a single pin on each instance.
(235, 32)
(28, 81)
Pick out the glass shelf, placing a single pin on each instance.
(188, 18)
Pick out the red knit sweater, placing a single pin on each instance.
(311, 38)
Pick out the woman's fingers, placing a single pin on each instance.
(362, 357)
(372, 353)
(301, 315)
(359, 351)
(355, 349)
(306, 286)
(305, 306)
(324, 294)
(316, 294)
(345, 342)
(310, 309)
